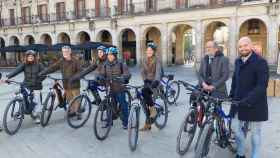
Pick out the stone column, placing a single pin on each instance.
(138, 45)
(272, 41)
(179, 46)
(199, 40)
(164, 44)
(233, 38)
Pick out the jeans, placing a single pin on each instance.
(120, 98)
(37, 99)
(255, 129)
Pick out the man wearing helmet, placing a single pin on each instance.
(96, 66)
(113, 68)
(68, 66)
(31, 68)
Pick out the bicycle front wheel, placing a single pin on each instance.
(133, 127)
(186, 133)
(13, 116)
(204, 145)
(47, 109)
(82, 114)
(102, 121)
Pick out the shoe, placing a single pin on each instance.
(237, 156)
(70, 115)
(1, 129)
(37, 120)
(124, 127)
(153, 112)
(147, 127)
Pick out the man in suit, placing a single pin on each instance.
(249, 84)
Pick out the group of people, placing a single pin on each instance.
(249, 84)
(107, 66)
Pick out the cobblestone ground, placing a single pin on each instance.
(58, 140)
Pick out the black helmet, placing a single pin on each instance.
(30, 52)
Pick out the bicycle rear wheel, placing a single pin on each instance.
(47, 109)
(102, 121)
(13, 116)
(133, 127)
(186, 133)
(83, 113)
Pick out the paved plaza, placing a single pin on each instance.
(58, 140)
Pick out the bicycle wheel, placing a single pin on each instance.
(162, 112)
(186, 133)
(199, 136)
(102, 121)
(172, 92)
(13, 116)
(133, 127)
(47, 109)
(128, 98)
(83, 113)
(203, 147)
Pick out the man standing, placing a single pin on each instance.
(249, 84)
(68, 66)
(214, 71)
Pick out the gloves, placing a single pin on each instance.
(155, 84)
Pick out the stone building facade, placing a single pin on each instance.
(179, 27)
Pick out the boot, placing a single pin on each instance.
(153, 112)
(146, 127)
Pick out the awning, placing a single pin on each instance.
(13, 48)
(91, 45)
(37, 47)
(58, 47)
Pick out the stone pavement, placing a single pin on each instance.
(58, 140)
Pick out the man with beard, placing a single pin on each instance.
(249, 84)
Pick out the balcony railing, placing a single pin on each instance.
(144, 7)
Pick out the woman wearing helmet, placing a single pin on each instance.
(114, 68)
(151, 74)
(31, 68)
(96, 66)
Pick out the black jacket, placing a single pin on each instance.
(31, 78)
(249, 84)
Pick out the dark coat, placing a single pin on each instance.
(249, 84)
(68, 69)
(115, 69)
(31, 78)
(219, 73)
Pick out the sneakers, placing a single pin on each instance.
(237, 156)
(1, 129)
(37, 120)
(147, 127)
(124, 127)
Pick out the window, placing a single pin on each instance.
(60, 11)
(12, 16)
(151, 5)
(181, 4)
(43, 12)
(102, 8)
(25, 15)
(80, 8)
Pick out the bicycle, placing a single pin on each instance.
(171, 88)
(217, 123)
(193, 119)
(85, 104)
(134, 115)
(22, 104)
(107, 111)
(48, 104)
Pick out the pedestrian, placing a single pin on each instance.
(249, 84)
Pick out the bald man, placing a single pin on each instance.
(249, 84)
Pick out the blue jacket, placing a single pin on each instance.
(249, 84)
